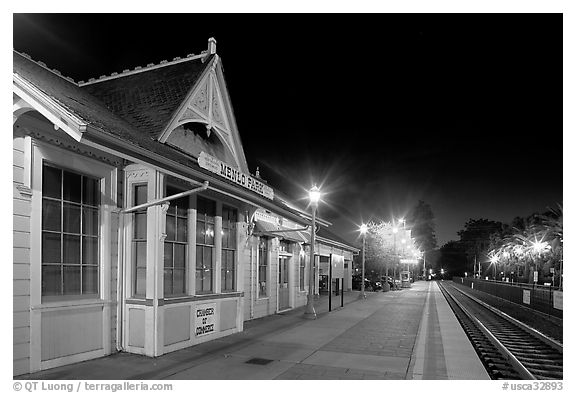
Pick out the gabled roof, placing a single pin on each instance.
(148, 99)
(108, 129)
(80, 103)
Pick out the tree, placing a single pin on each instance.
(476, 239)
(421, 221)
(453, 258)
(533, 244)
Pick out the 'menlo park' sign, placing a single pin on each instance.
(214, 165)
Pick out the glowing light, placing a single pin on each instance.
(395, 230)
(505, 254)
(493, 259)
(539, 246)
(314, 194)
(363, 229)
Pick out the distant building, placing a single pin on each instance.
(104, 259)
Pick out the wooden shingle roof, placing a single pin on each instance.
(148, 99)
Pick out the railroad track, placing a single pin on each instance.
(508, 348)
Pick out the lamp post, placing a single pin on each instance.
(314, 196)
(394, 231)
(363, 230)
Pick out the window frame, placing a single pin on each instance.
(266, 241)
(205, 246)
(132, 195)
(62, 232)
(186, 243)
(232, 227)
(74, 162)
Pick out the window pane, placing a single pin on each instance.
(89, 250)
(89, 279)
(206, 210)
(168, 257)
(200, 232)
(232, 238)
(223, 279)
(168, 289)
(183, 207)
(72, 187)
(140, 195)
(51, 211)
(140, 225)
(199, 281)
(170, 228)
(140, 281)
(71, 218)
(71, 250)
(179, 255)
(90, 221)
(262, 280)
(90, 191)
(51, 243)
(225, 237)
(199, 258)
(207, 260)
(209, 234)
(51, 182)
(140, 255)
(179, 287)
(51, 280)
(207, 284)
(71, 280)
(182, 235)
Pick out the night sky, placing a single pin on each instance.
(461, 111)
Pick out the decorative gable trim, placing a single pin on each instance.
(207, 103)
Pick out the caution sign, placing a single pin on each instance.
(205, 319)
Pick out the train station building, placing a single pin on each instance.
(137, 223)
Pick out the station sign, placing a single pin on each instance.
(226, 171)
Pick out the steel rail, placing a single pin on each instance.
(513, 361)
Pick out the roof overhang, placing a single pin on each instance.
(49, 108)
(119, 147)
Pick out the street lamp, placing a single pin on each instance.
(363, 230)
(314, 196)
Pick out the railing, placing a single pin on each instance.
(546, 299)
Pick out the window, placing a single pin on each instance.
(205, 212)
(139, 224)
(229, 219)
(262, 266)
(175, 246)
(284, 246)
(302, 268)
(70, 233)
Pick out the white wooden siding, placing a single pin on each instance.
(20, 263)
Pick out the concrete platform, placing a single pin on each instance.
(398, 335)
